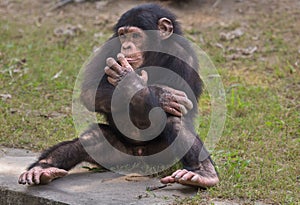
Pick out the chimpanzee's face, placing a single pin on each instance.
(133, 41)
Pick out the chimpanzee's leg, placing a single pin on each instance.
(57, 160)
(198, 166)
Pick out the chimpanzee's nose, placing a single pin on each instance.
(126, 46)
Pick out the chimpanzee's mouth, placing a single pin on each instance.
(132, 59)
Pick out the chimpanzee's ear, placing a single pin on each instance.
(165, 27)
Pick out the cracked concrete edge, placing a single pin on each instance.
(80, 186)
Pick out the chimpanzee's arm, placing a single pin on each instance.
(144, 97)
(172, 101)
(98, 99)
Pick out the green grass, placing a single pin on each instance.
(258, 154)
(28, 65)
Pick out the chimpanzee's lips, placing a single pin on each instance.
(132, 59)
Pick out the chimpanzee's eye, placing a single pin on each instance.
(136, 35)
(122, 36)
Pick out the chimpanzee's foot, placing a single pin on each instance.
(39, 175)
(190, 178)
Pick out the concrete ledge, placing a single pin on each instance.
(80, 187)
(10, 197)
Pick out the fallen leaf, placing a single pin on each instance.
(231, 35)
(57, 75)
(241, 52)
(5, 96)
(68, 30)
(248, 51)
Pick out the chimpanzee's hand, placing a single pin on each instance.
(117, 72)
(175, 102)
(39, 175)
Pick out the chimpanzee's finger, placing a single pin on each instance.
(185, 102)
(37, 176)
(176, 92)
(188, 176)
(178, 171)
(167, 179)
(172, 111)
(190, 182)
(110, 72)
(195, 178)
(178, 107)
(29, 177)
(180, 93)
(180, 174)
(112, 63)
(112, 81)
(121, 58)
(22, 178)
(144, 76)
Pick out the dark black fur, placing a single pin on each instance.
(67, 154)
(145, 17)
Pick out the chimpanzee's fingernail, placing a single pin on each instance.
(120, 55)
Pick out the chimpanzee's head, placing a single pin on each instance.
(132, 25)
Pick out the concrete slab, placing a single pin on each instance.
(80, 186)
